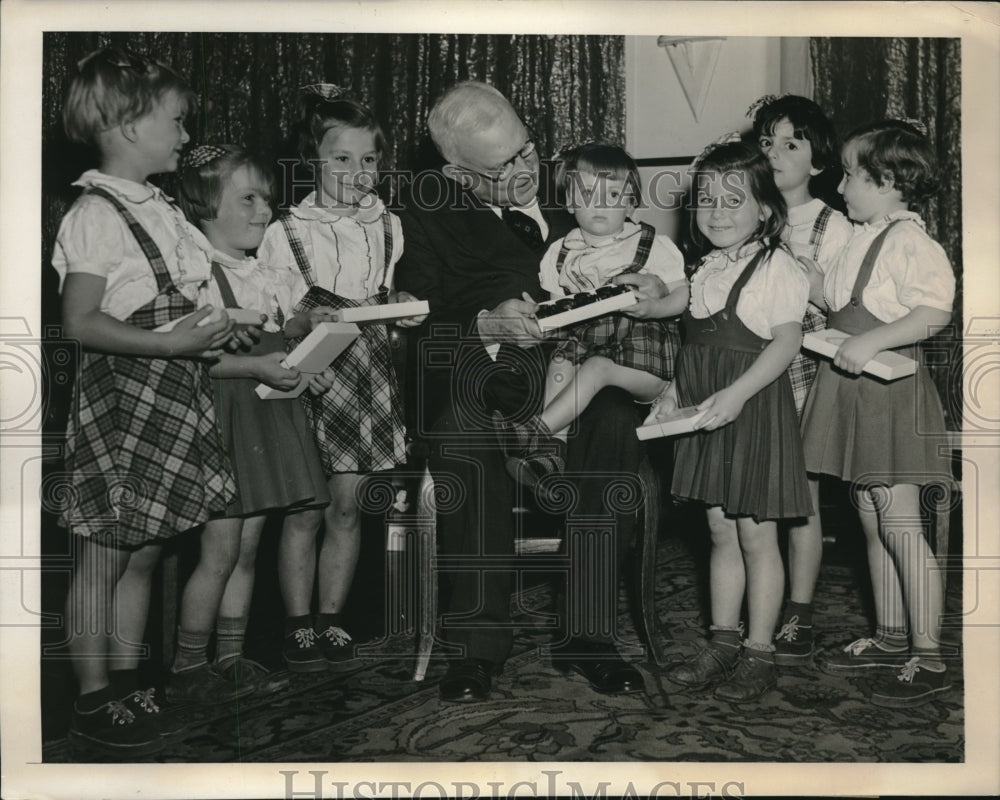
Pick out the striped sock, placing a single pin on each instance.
(192, 649)
(230, 634)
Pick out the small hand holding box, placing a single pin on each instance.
(314, 354)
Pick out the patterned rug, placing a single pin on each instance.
(378, 713)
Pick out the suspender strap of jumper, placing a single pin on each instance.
(642, 250)
(818, 229)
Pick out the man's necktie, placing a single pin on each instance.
(523, 226)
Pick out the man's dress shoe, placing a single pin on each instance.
(599, 663)
(468, 680)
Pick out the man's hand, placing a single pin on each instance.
(511, 322)
(649, 289)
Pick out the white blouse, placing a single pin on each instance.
(776, 293)
(834, 238)
(911, 270)
(588, 266)
(95, 239)
(257, 287)
(347, 254)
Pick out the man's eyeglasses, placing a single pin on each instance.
(505, 170)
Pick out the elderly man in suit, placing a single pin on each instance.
(474, 234)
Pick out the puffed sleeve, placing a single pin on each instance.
(397, 248)
(91, 239)
(276, 253)
(786, 290)
(920, 269)
(838, 233)
(665, 261)
(548, 275)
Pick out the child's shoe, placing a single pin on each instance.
(249, 676)
(860, 657)
(753, 678)
(793, 643)
(914, 685)
(301, 653)
(113, 729)
(142, 703)
(711, 665)
(335, 646)
(201, 685)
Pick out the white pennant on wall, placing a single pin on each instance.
(694, 59)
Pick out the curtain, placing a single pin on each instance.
(860, 80)
(567, 88)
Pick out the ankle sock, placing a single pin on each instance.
(192, 649)
(293, 624)
(94, 700)
(124, 681)
(230, 635)
(892, 640)
(804, 611)
(760, 650)
(929, 658)
(724, 638)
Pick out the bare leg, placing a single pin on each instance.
(765, 577)
(889, 611)
(727, 573)
(915, 564)
(89, 611)
(594, 374)
(805, 551)
(220, 543)
(132, 606)
(297, 560)
(338, 555)
(239, 588)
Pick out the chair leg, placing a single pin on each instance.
(645, 560)
(427, 576)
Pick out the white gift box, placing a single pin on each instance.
(681, 421)
(385, 313)
(241, 316)
(887, 365)
(313, 355)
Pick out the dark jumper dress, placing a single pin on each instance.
(869, 431)
(752, 467)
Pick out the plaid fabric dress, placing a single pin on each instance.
(643, 344)
(802, 370)
(143, 452)
(358, 423)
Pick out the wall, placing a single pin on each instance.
(660, 123)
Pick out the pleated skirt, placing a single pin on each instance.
(752, 467)
(867, 431)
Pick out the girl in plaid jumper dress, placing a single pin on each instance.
(745, 463)
(343, 244)
(143, 452)
(802, 148)
(631, 350)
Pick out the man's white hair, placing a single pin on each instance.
(466, 108)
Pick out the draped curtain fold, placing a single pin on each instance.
(860, 80)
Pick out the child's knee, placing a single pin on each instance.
(598, 366)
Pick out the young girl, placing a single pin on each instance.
(743, 328)
(226, 192)
(635, 353)
(143, 450)
(891, 287)
(801, 146)
(345, 244)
